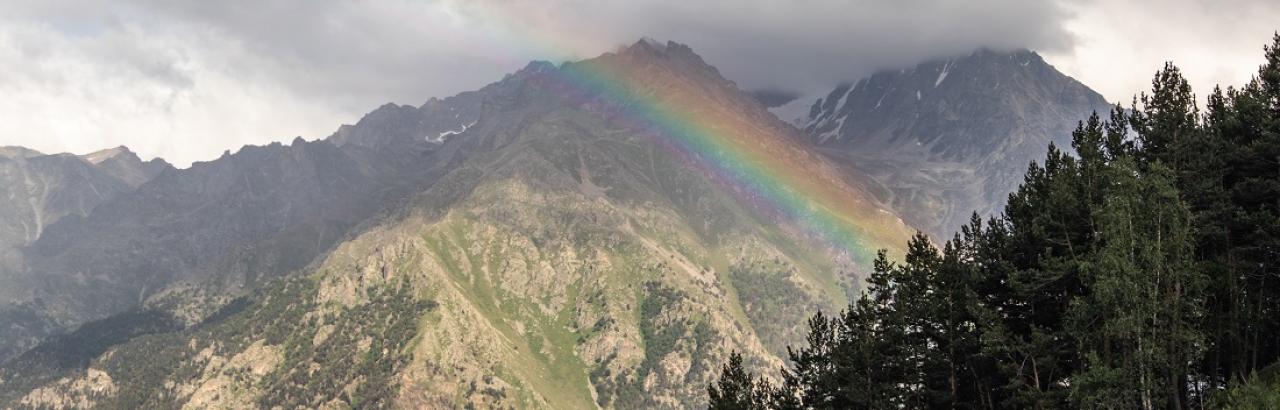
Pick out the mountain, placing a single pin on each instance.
(36, 192)
(192, 238)
(548, 241)
(19, 152)
(951, 136)
(125, 165)
(41, 189)
(208, 231)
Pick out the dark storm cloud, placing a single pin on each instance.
(366, 52)
(804, 45)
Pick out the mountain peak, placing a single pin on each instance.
(1016, 57)
(651, 42)
(125, 165)
(996, 52)
(986, 73)
(18, 152)
(538, 66)
(650, 47)
(977, 119)
(644, 44)
(97, 157)
(658, 60)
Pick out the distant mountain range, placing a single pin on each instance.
(527, 244)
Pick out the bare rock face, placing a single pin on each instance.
(953, 136)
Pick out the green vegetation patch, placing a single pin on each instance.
(775, 306)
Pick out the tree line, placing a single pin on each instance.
(1140, 271)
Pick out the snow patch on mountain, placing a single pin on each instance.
(946, 69)
(833, 132)
(441, 137)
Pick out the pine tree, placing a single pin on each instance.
(858, 359)
(1145, 297)
(737, 388)
(811, 382)
(1234, 193)
(1049, 228)
(1168, 119)
(954, 334)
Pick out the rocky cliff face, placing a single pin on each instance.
(520, 246)
(952, 136)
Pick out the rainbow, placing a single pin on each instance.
(759, 163)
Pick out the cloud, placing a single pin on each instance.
(773, 97)
(801, 45)
(1121, 44)
(188, 79)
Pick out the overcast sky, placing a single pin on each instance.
(185, 80)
